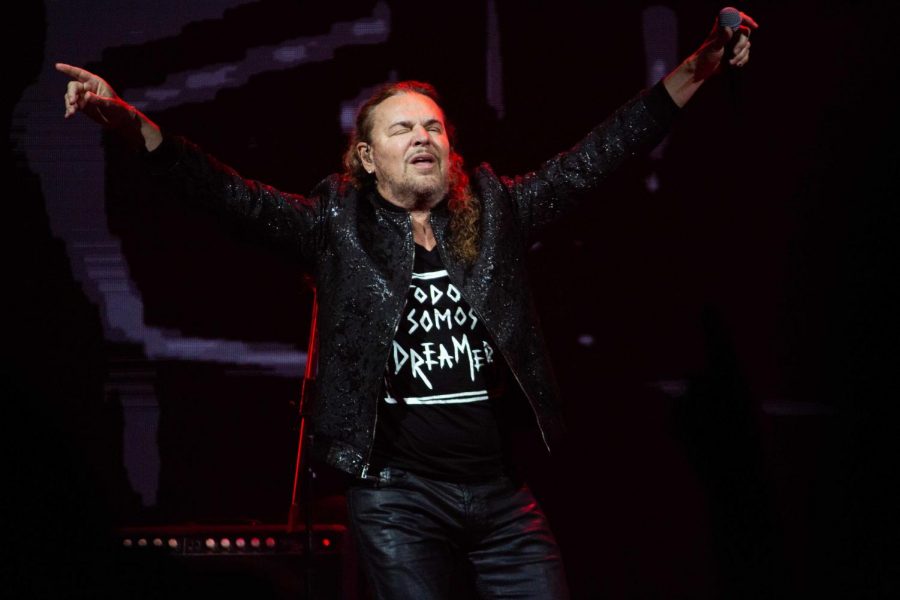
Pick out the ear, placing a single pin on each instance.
(364, 151)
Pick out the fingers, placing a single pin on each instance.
(74, 98)
(77, 90)
(77, 96)
(741, 48)
(80, 97)
(87, 92)
(741, 57)
(76, 73)
(727, 45)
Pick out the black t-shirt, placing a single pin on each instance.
(439, 414)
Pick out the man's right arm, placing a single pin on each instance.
(289, 221)
(292, 222)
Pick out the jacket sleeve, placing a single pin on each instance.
(544, 195)
(291, 222)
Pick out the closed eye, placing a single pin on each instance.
(400, 127)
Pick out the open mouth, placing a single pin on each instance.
(423, 161)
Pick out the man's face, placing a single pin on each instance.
(410, 151)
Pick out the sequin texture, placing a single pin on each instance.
(360, 253)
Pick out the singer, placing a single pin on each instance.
(426, 314)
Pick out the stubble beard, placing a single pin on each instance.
(413, 193)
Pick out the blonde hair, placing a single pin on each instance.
(465, 209)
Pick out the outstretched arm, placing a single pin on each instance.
(285, 220)
(91, 95)
(542, 196)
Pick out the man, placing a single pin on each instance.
(424, 305)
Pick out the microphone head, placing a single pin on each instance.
(730, 17)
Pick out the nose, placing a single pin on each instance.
(421, 137)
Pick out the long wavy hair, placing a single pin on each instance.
(464, 207)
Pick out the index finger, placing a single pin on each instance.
(74, 72)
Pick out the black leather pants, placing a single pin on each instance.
(413, 532)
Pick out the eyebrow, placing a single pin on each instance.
(410, 124)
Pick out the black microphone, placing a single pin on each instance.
(730, 17)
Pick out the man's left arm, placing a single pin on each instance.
(542, 196)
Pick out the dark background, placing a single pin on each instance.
(731, 412)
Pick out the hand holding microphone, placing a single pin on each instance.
(728, 43)
(734, 27)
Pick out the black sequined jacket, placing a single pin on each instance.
(360, 251)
